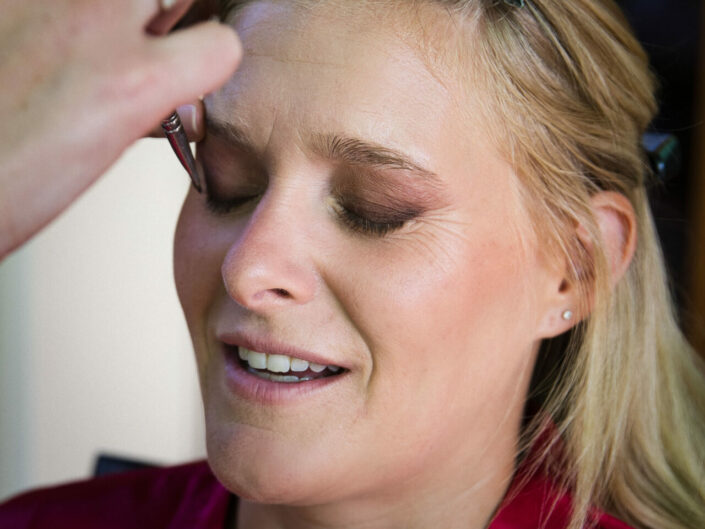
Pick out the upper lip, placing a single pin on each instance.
(269, 346)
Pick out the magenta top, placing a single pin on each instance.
(188, 497)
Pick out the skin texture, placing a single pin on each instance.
(87, 79)
(438, 322)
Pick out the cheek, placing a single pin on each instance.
(430, 291)
(451, 308)
(450, 348)
(199, 250)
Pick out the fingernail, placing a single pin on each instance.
(194, 121)
(168, 4)
(187, 113)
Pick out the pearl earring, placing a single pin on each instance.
(567, 315)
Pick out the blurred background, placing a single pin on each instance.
(94, 353)
(672, 33)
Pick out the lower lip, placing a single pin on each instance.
(253, 388)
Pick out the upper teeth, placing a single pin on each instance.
(280, 363)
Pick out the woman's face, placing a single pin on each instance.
(359, 219)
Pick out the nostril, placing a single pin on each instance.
(259, 276)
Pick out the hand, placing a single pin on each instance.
(80, 80)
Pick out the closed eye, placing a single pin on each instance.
(366, 226)
(373, 219)
(224, 206)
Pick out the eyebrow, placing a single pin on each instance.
(346, 149)
(358, 152)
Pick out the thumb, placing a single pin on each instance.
(187, 64)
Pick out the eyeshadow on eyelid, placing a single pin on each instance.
(383, 188)
(384, 212)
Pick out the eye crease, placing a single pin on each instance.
(371, 218)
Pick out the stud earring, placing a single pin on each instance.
(567, 315)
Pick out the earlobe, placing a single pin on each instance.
(616, 223)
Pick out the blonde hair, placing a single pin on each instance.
(626, 393)
(623, 392)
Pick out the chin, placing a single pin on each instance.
(254, 466)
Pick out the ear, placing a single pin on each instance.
(616, 222)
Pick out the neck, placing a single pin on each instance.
(440, 500)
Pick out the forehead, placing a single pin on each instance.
(325, 68)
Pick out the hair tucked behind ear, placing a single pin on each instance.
(573, 93)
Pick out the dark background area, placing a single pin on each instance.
(670, 31)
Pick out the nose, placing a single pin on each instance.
(269, 265)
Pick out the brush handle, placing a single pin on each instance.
(178, 140)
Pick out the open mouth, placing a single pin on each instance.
(280, 368)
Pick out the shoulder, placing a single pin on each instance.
(535, 502)
(181, 496)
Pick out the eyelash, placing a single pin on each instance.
(366, 226)
(223, 207)
(351, 219)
